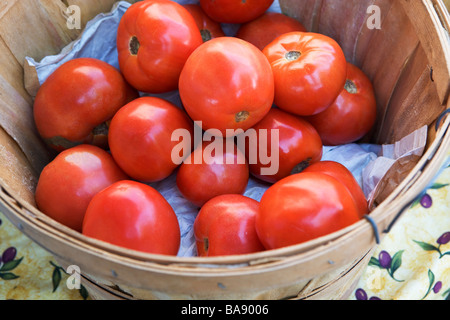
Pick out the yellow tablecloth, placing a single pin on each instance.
(413, 260)
(28, 272)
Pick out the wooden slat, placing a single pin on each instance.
(33, 34)
(57, 13)
(305, 11)
(15, 169)
(347, 30)
(16, 118)
(414, 103)
(386, 55)
(362, 44)
(434, 38)
(12, 71)
(89, 9)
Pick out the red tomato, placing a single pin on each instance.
(140, 138)
(345, 176)
(68, 183)
(209, 29)
(154, 39)
(303, 207)
(227, 83)
(213, 169)
(133, 215)
(309, 71)
(299, 145)
(352, 115)
(267, 28)
(77, 100)
(235, 11)
(225, 225)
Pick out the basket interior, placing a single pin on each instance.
(404, 58)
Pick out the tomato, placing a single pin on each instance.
(212, 170)
(235, 11)
(225, 225)
(309, 71)
(133, 215)
(75, 103)
(140, 138)
(267, 28)
(209, 28)
(154, 39)
(303, 207)
(69, 182)
(227, 83)
(345, 176)
(298, 146)
(352, 115)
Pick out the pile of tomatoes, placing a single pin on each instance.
(113, 134)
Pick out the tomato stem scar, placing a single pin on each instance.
(61, 142)
(134, 45)
(206, 35)
(292, 55)
(241, 116)
(350, 86)
(102, 128)
(301, 166)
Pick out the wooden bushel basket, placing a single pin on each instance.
(408, 60)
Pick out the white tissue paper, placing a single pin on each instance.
(98, 40)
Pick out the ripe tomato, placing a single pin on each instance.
(140, 138)
(209, 29)
(68, 183)
(154, 39)
(352, 115)
(235, 11)
(309, 71)
(299, 145)
(303, 207)
(268, 27)
(225, 225)
(77, 100)
(345, 176)
(227, 83)
(135, 216)
(213, 171)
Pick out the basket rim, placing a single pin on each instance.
(401, 197)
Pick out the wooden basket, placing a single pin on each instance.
(407, 59)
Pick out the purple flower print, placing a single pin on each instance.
(442, 240)
(390, 264)
(384, 258)
(437, 287)
(360, 294)
(426, 201)
(9, 263)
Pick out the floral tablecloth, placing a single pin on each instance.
(413, 260)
